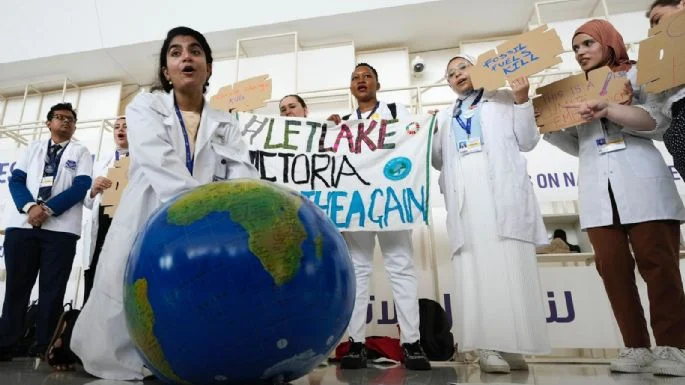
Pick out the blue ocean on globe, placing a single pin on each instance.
(238, 282)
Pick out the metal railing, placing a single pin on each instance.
(24, 133)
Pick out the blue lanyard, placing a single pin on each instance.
(466, 126)
(52, 162)
(116, 153)
(190, 158)
(359, 113)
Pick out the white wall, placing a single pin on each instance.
(41, 28)
(317, 69)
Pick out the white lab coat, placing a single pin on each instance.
(157, 174)
(75, 161)
(666, 99)
(507, 130)
(642, 184)
(91, 225)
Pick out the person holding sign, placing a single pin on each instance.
(179, 142)
(294, 106)
(628, 199)
(493, 219)
(97, 228)
(674, 106)
(47, 185)
(396, 246)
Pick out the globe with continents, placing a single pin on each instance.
(237, 282)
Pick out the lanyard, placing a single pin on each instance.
(190, 158)
(52, 160)
(466, 126)
(359, 113)
(116, 152)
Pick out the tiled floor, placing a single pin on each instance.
(23, 372)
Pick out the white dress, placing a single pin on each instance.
(499, 303)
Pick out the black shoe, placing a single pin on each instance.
(414, 357)
(355, 357)
(6, 354)
(37, 351)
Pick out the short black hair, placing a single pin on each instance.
(662, 3)
(61, 107)
(299, 99)
(369, 66)
(181, 31)
(559, 233)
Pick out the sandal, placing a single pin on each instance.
(58, 353)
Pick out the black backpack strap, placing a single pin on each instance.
(392, 107)
(393, 110)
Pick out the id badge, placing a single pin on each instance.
(470, 146)
(610, 144)
(47, 181)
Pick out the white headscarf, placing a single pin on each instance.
(466, 57)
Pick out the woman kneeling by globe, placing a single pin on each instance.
(197, 275)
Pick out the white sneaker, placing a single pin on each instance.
(633, 360)
(515, 361)
(492, 362)
(670, 362)
(147, 374)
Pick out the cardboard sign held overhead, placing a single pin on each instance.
(602, 84)
(245, 95)
(661, 60)
(524, 55)
(119, 177)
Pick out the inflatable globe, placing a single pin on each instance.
(238, 282)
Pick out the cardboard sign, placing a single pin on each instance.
(602, 84)
(524, 55)
(119, 177)
(245, 95)
(661, 60)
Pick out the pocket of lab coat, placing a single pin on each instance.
(647, 162)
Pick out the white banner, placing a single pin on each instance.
(367, 175)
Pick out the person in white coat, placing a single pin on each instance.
(48, 184)
(631, 210)
(178, 143)
(96, 229)
(673, 107)
(398, 255)
(493, 219)
(293, 105)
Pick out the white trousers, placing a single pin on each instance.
(399, 265)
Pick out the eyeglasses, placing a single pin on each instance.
(65, 119)
(460, 68)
